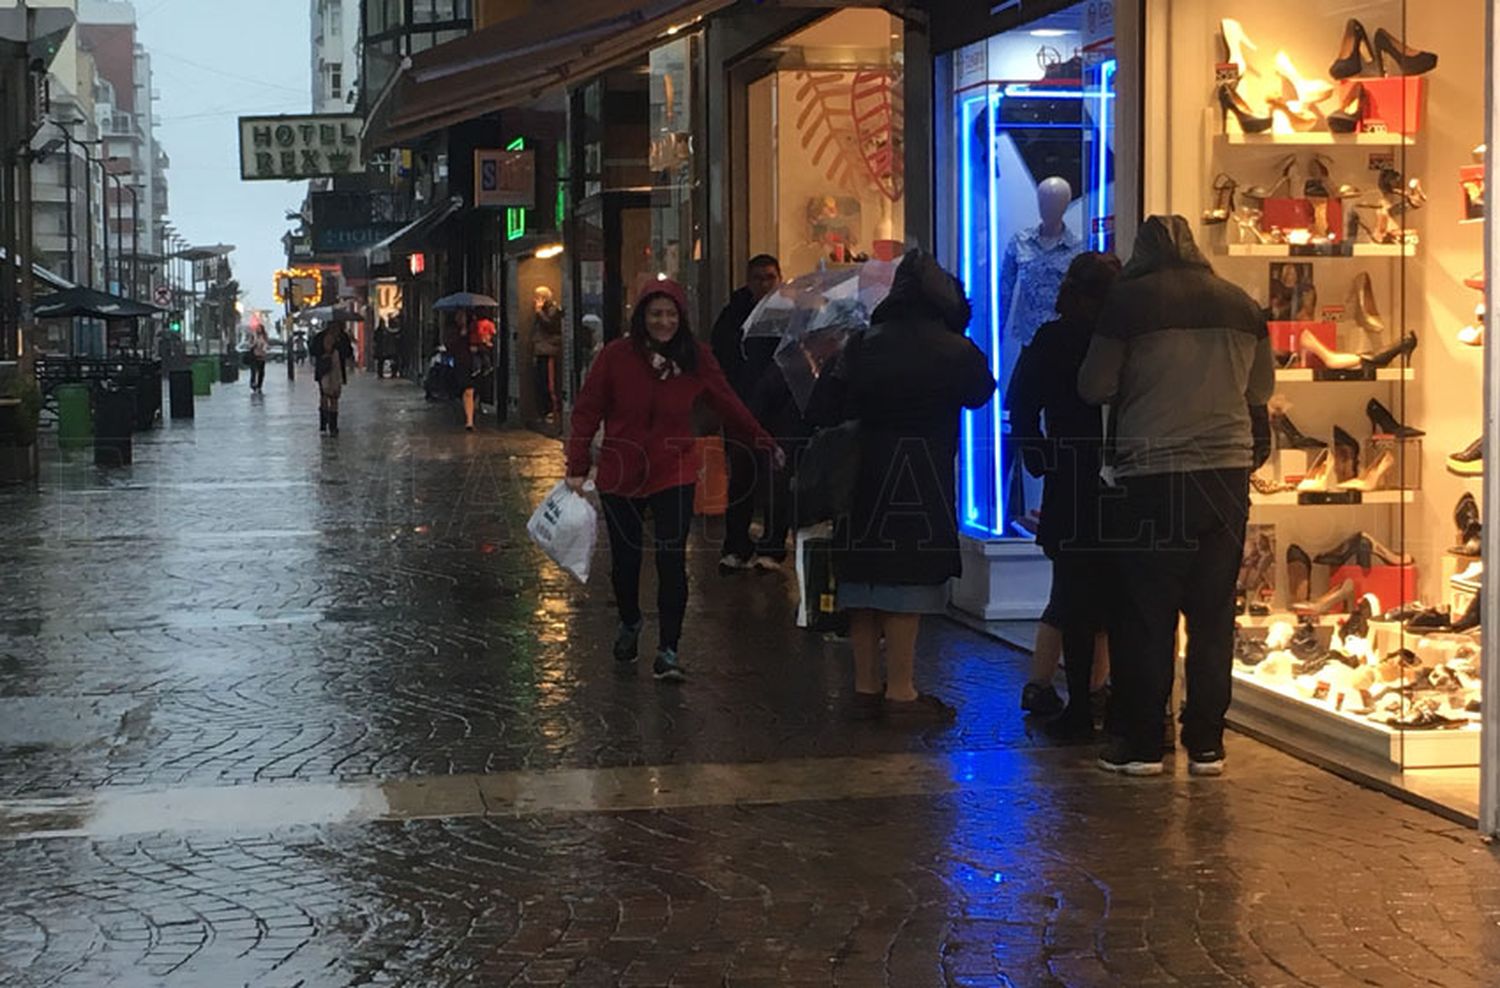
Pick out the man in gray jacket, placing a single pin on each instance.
(1184, 358)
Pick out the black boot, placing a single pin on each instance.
(322, 420)
(333, 423)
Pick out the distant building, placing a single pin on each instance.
(335, 55)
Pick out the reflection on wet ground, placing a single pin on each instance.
(287, 711)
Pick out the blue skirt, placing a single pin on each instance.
(894, 598)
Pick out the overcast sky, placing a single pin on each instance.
(212, 61)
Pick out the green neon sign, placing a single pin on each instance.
(515, 219)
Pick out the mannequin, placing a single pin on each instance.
(1036, 259)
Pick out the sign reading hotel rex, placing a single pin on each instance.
(300, 146)
(505, 178)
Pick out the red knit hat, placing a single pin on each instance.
(669, 288)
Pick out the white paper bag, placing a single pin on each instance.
(565, 526)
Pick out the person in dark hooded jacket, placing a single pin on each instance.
(1184, 359)
(906, 380)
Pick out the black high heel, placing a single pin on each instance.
(1411, 61)
(1384, 358)
(1383, 423)
(1232, 102)
(1356, 548)
(1292, 437)
(1223, 206)
(1351, 60)
(1345, 120)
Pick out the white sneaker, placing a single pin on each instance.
(1470, 577)
(732, 563)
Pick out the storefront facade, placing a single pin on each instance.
(1337, 175)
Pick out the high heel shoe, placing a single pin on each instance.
(1356, 548)
(1223, 207)
(1318, 475)
(1285, 166)
(1351, 59)
(1248, 222)
(1383, 423)
(1292, 437)
(1231, 102)
(1345, 457)
(1373, 479)
(1339, 597)
(1409, 60)
(1296, 89)
(1351, 110)
(1300, 117)
(1384, 358)
(1317, 183)
(1235, 43)
(1363, 298)
(1298, 575)
(1329, 358)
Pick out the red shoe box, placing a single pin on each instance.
(1299, 214)
(1286, 337)
(1394, 585)
(1395, 102)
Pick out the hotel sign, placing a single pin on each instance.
(297, 147)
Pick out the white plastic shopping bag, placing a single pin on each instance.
(565, 526)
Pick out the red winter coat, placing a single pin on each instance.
(649, 439)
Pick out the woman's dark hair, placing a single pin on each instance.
(681, 349)
(1084, 287)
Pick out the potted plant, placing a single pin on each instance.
(20, 411)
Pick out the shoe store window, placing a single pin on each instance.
(1027, 182)
(1332, 153)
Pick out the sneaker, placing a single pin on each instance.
(1209, 761)
(923, 709)
(731, 563)
(1041, 699)
(627, 642)
(666, 668)
(768, 564)
(1116, 757)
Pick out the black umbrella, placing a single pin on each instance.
(465, 300)
(87, 302)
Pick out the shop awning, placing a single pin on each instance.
(520, 59)
(89, 303)
(412, 234)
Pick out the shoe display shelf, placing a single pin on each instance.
(1308, 375)
(1319, 251)
(1334, 498)
(1278, 708)
(1319, 139)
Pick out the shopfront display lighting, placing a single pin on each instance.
(287, 276)
(548, 252)
(417, 263)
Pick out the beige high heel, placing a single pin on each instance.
(1318, 477)
(1332, 359)
(1373, 478)
(1365, 312)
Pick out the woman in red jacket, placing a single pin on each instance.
(643, 388)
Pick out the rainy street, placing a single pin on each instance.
(315, 712)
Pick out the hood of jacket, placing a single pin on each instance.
(1163, 243)
(921, 289)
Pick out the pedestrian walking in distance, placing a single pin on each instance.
(260, 348)
(906, 380)
(1184, 358)
(546, 348)
(333, 355)
(643, 389)
(1067, 456)
(745, 363)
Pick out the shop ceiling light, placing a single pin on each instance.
(1051, 32)
(549, 251)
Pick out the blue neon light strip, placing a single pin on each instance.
(966, 268)
(996, 322)
(1101, 180)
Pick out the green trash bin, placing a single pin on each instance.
(205, 369)
(75, 416)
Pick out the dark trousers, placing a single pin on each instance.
(1081, 584)
(754, 483)
(545, 399)
(257, 373)
(671, 518)
(1181, 538)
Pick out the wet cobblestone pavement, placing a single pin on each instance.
(253, 616)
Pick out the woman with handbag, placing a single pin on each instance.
(333, 354)
(644, 389)
(905, 381)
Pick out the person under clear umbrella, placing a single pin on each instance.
(333, 352)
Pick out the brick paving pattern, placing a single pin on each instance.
(251, 604)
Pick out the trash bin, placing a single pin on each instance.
(204, 372)
(180, 389)
(114, 423)
(75, 425)
(229, 370)
(146, 380)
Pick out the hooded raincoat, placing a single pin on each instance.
(906, 380)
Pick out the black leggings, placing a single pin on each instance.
(671, 519)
